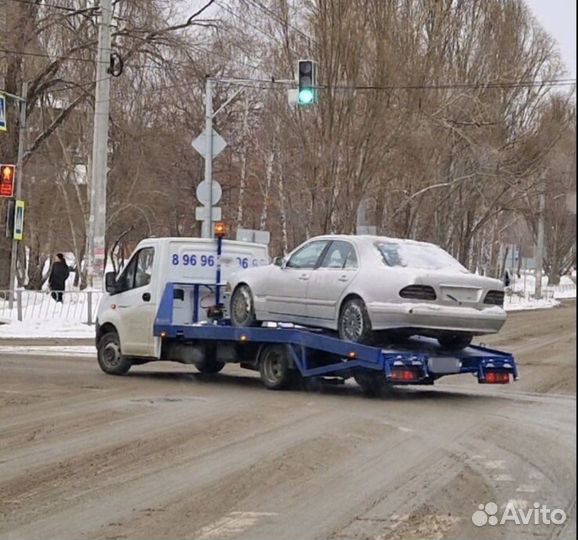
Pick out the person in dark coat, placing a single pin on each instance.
(58, 276)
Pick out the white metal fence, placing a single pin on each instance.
(549, 294)
(77, 306)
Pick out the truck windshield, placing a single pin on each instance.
(422, 256)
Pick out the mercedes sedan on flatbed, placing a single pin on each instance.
(371, 289)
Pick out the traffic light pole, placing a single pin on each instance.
(18, 180)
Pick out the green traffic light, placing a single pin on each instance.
(306, 96)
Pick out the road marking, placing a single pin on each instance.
(519, 504)
(230, 525)
(398, 520)
(495, 464)
(504, 478)
(526, 488)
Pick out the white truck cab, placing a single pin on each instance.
(126, 314)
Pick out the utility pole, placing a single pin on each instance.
(207, 231)
(97, 220)
(18, 191)
(540, 248)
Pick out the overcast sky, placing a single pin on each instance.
(558, 17)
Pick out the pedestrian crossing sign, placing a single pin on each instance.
(19, 220)
(2, 112)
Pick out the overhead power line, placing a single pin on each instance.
(56, 6)
(276, 18)
(248, 23)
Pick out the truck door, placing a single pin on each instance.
(137, 304)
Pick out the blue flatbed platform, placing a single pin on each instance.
(317, 353)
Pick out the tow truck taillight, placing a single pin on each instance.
(404, 374)
(496, 377)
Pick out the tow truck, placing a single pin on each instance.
(176, 310)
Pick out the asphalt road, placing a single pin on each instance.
(166, 453)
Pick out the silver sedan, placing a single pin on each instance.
(371, 288)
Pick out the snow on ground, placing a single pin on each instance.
(37, 329)
(526, 285)
(50, 350)
(516, 303)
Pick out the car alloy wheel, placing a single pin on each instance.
(242, 312)
(352, 323)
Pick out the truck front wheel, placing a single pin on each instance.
(110, 357)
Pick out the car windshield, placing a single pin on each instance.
(423, 256)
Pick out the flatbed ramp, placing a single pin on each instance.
(282, 351)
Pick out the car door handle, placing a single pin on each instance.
(304, 277)
(343, 278)
(146, 297)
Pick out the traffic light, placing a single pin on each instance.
(7, 176)
(307, 83)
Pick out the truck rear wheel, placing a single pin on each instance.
(110, 357)
(372, 384)
(275, 367)
(210, 364)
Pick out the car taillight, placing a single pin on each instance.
(495, 298)
(418, 292)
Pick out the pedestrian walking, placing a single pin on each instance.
(58, 276)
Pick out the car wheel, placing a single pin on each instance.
(372, 384)
(354, 323)
(110, 357)
(243, 307)
(455, 341)
(275, 367)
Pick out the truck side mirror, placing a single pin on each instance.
(279, 261)
(110, 282)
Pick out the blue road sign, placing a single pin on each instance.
(2, 113)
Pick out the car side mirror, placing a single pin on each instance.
(110, 282)
(279, 261)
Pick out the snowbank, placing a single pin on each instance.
(516, 303)
(37, 329)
